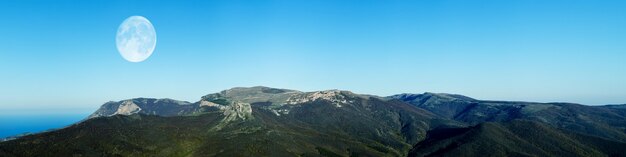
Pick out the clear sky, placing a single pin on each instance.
(62, 55)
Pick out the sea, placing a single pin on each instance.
(12, 124)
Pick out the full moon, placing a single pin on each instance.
(136, 39)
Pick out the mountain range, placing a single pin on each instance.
(264, 121)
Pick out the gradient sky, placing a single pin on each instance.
(62, 55)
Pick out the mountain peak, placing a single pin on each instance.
(236, 97)
(251, 95)
(277, 100)
(450, 96)
(150, 106)
(276, 96)
(256, 89)
(337, 97)
(280, 100)
(429, 95)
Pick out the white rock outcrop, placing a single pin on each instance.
(333, 96)
(127, 108)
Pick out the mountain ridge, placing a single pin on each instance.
(264, 121)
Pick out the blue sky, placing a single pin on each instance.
(62, 54)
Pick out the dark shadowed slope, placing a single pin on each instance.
(603, 121)
(514, 138)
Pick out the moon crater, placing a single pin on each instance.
(136, 39)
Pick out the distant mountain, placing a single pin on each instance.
(263, 121)
(603, 121)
